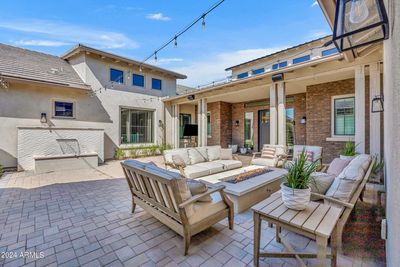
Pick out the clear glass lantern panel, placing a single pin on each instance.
(363, 37)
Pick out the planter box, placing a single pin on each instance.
(65, 162)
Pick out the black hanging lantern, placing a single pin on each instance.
(359, 23)
(377, 104)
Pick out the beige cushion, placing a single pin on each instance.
(362, 160)
(178, 161)
(182, 152)
(337, 166)
(197, 188)
(197, 155)
(194, 171)
(212, 166)
(203, 210)
(213, 153)
(264, 162)
(320, 183)
(185, 195)
(226, 154)
(342, 189)
(268, 153)
(229, 164)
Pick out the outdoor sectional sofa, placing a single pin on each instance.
(196, 162)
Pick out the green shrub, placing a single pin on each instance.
(1, 170)
(119, 153)
(349, 149)
(133, 152)
(299, 172)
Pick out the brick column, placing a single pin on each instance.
(273, 119)
(375, 118)
(281, 114)
(360, 108)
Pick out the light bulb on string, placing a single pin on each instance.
(203, 23)
(155, 56)
(176, 41)
(358, 11)
(140, 68)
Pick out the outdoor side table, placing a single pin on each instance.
(317, 222)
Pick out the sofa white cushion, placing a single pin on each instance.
(197, 155)
(264, 162)
(212, 166)
(362, 160)
(226, 153)
(203, 210)
(182, 152)
(230, 164)
(213, 153)
(194, 171)
(353, 171)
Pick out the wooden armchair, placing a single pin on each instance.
(162, 194)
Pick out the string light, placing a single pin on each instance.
(175, 37)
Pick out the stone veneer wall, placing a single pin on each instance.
(318, 127)
(221, 123)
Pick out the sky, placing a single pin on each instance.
(237, 31)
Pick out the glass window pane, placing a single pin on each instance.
(243, 75)
(344, 116)
(208, 124)
(249, 129)
(138, 80)
(275, 66)
(301, 59)
(290, 126)
(183, 120)
(63, 109)
(137, 126)
(329, 52)
(283, 64)
(156, 84)
(116, 76)
(257, 71)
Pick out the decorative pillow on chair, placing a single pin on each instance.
(337, 166)
(309, 155)
(320, 183)
(268, 153)
(178, 161)
(226, 154)
(197, 188)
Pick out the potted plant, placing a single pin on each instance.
(296, 191)
(243, 150)
(234, 148)
(349, 151)
(377, 171)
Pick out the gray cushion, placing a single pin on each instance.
(194, 171)
(264, 162)
(320, 183)
(197, 188)
(212, 166)
(182, 152)
(229, 164)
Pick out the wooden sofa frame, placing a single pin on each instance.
(161, 198)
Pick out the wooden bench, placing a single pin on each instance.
(157, 191)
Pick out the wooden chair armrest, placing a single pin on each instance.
(256, 153)
(235, 157)
(197, 197)
(324, 168)
(334, 200)
(176, 166)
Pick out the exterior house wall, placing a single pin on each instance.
(319, 112)
(221, 124)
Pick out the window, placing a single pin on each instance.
(64, 109)
(156, 84)
(138, 80)
(243, 75)
(301, 59)
(116, 76)
(343, 116)
(183, 120)
(208, 124)
(257, 71)
(290, 127)
(279, 65)
(329, 52)
(137, 126)
(248, 130)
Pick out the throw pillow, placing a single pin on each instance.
(268, 153)
(320, 183)
(337, 166)
(178, 161)
(226, 154)
(213, 153)
(197, 155)
(197, 188)
(185, 195)
(309, 155)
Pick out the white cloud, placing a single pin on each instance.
(165, 61)
(71, 33)
(318, 34)
(315, 4)
(213, 68)
(158, 16)
(40, 43)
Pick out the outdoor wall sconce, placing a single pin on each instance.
(191, 97)
(303, 120)
(160, 124)
(43, 118)
(237, 123)
(359, 23)
(377, 104)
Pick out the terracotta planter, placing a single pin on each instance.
(296, 199)
(347, 157)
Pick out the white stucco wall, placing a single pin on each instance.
(55, 141)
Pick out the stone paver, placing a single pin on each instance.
(83, 218)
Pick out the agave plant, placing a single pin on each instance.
(299, 173)
(349, 149)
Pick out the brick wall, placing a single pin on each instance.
(318, 127)
(221, 123)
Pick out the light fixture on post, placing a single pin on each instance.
(43, 118)
(377, 104)
(359, 23)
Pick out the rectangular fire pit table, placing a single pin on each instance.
(245, 194)
(317, 222)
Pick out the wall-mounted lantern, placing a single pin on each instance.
(303, 120)
(359, 23)
(237, 123)
(377, 104)
(43, 118)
